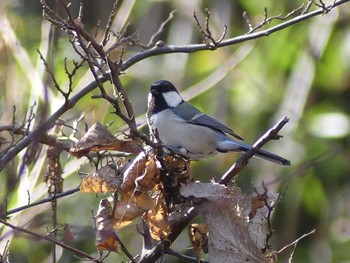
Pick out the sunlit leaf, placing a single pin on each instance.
(98, 138)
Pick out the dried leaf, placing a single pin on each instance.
(257, 203)
(198, 234)
(131, 207)
(149, 177)
(106, 238)
(158, 220)
(226, 212)
(178, 166)
(106, 179)
(142, 172)
(53, 176)
(98, 138)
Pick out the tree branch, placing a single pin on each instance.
(241, 163)
(59, 243)
(168, 49)
(42, 201)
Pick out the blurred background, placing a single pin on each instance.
(302, 72)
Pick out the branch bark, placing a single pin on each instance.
(271, 134)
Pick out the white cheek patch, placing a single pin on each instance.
(172, 98)
(149, 98)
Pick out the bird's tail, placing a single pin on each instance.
(272, 157)
(238, 146)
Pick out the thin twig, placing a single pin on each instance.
(294, 243)
(209, 40)
(326, 8)
(53, 78)
(241, 163)
(168, 49)
(42, 201)
(114, 11)
(71, 74)
(268, 19)
(59, 243)
(160, 30)
(308, 6)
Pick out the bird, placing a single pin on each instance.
(186, 131)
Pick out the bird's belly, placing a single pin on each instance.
(197, 140)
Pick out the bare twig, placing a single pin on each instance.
(268, 19)
(114, 11)
(177, 228)
(247, 20)
(42, 201)
(270, 208)
(71, 74)
(326, 8)
(59, 243)
(53, 78)
(160, 30)
(235, 40)
(294, 243)
(147, 239)
(209, 40)
(241, 163)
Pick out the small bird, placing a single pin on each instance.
(186, 131)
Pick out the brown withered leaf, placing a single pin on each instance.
(178, 166)
(225, 210)
(106, 179)
(98, 138)
(149, 177)
(158, 220)
(131, 207)
(198, 234)
(257, 203)
(106, 238)
(142, 173)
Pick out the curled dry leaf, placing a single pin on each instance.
(142, 173)
(198, 234)
(106, 179)
(98, 138)
(130, 207)
(106, 238)
(159, 220)
(133, 182)
(232, 236)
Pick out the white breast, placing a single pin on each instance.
(199, 141)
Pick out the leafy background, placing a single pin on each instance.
(301, 71)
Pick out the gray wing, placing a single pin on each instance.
(194, 116)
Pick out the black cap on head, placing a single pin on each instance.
(161, 86)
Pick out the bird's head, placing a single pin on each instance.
(163, 95)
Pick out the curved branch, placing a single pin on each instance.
(158, 50)
(271, 134)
